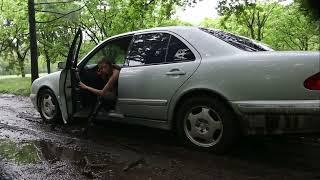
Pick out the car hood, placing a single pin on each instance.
(50, 77)
(50, 81)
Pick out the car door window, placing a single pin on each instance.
(112, 51)
(115, 50)
(148, 49)
(178, 51)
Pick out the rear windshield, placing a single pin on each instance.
(238, 41)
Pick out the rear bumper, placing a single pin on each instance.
(282, 124)
(279, 117)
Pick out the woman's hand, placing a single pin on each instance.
(82, 86)
(90, 89)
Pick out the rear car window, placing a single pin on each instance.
(238, 41)
(178, 51)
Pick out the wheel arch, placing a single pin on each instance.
(201, 92)
(57, 117)
(42, 89)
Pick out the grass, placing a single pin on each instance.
(15, 85)
(16, 76)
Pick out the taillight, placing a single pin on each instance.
(313, 82)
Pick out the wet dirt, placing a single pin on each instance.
(33, 149)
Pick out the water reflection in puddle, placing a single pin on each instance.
(52, 152)
(32, 152)
(63, 158)
(21, 153)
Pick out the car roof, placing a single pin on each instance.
(168, 28)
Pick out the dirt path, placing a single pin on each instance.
(32, 149)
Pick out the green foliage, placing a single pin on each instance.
(14, 32)
(251, 14)
(102, 20)
(57, 23)
(282, 27)
(290, 29)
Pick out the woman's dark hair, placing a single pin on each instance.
(105, 60)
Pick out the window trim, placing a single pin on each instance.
(183, 40)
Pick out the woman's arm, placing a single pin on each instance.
(112, 80)
(92, 90)
(107, 88)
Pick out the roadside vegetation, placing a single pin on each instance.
(282, 26)
(15, 85)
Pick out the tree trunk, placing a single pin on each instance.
(251, 29)
(21, 68)
(47, 60)
(48, 66)
(259, 37)
(33, 41)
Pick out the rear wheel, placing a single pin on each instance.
(207, 123)
(48, 106)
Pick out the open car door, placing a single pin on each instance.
(69, 79)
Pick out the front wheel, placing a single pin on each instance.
(48, 106)
(207, 123)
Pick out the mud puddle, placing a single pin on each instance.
(35, 159)
(33, 149)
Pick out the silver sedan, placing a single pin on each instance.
(208, 85)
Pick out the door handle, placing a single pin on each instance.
(175, 72)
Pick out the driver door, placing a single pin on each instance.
(68, 80)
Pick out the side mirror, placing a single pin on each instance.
(61, 65)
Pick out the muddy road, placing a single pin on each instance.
(33, 149)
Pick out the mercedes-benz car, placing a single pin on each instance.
(209, 86)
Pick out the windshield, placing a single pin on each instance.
(238, 41)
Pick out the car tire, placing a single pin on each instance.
(207, 123)
(49, 106)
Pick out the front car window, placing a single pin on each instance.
(238, 41)
(115, 51)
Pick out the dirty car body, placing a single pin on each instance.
(208, 85)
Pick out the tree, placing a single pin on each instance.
(15, 31)
(286, 27)
(102, 19)
(291, 29)
(253, 14)
(57, 23)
